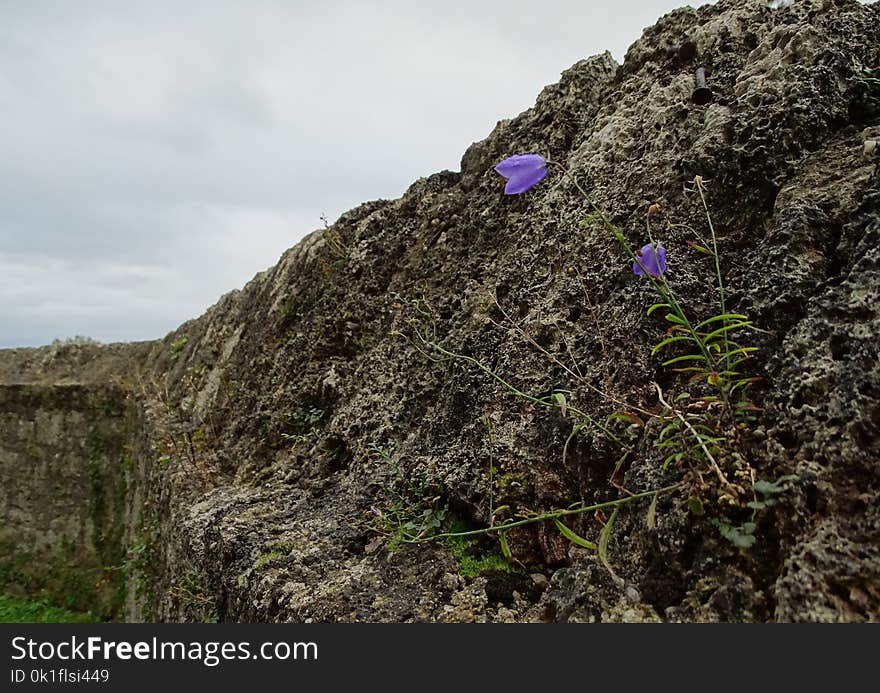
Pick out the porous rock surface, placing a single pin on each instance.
(267, 434)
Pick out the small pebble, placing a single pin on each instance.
(540, 581)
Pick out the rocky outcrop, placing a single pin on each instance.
(270, 438)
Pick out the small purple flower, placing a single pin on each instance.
(653, 261)
(522, 172)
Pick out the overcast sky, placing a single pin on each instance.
(155, 155)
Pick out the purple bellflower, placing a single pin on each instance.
(522, 171)
(654, 261)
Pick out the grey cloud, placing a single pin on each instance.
(144, 140)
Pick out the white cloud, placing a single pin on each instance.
(157, 155)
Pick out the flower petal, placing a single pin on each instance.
(520, 162)
(661, 258)
(654, 261)
(523, 180)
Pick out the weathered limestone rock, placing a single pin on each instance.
(262, 433)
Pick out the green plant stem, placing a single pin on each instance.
(662, 288)
(547, 516)
(723, 387)
(660, 284)
(516, 391)
(721, 297)
(488, 425)
(697, 436)
(577, 376)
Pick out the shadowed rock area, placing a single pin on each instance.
(263, 453)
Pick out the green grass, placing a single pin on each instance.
(15, 610)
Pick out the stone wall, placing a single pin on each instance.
(63, 483)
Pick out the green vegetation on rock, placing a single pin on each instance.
(475, 558)
(16, 610)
